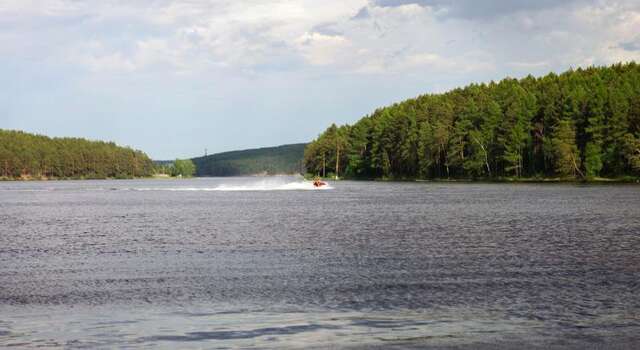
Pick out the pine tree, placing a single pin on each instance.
(567, 154)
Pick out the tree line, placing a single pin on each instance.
(176, 168)
(583, 123)
(24, 155)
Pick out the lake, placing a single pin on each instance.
(273, 263)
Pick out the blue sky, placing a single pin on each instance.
(175, 77)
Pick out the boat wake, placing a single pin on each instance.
(263, 185)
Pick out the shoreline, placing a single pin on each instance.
(534, 180)
(45, 179)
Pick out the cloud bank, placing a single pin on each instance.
(196, 73)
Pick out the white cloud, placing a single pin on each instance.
(196, 35)
(529, 65)
(265, 60)
(320, 49)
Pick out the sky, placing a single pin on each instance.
(175, 77)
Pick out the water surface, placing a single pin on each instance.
(273, 263)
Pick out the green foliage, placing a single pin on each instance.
(163, 167)
(332, 149)
(566, 152)
(183, 168)
(584, 121)
(24, 155)
(632, 151)
(286, 159)
(593, 159)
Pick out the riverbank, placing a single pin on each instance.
(46, 178)
(623, 179)
(595, 180)
(628, 179)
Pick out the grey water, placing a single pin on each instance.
(272, 263)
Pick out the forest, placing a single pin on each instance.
(175, 168)
(285, 159)
(25, 156)
(581, 124)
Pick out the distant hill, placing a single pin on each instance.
(285, 159)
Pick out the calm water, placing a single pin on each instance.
(272, 263)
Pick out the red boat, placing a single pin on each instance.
(318, 183)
